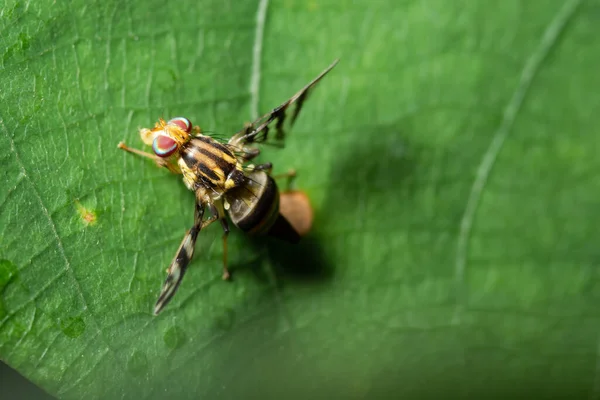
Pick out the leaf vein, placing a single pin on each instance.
(83, 375)
(529, 72)
(261, 14)
(25, 333)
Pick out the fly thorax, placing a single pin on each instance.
(235, 179)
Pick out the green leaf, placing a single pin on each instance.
(451, 159)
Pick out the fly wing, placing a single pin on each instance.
(180, 262)
(258, 131)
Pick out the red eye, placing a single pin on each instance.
(164, 146)
(182, 123)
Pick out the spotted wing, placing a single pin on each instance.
(180, 262)
(258, 131)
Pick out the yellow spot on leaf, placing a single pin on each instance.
(87, 216)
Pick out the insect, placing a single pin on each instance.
(222, 180)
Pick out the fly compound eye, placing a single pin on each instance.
(181, 122)
(164, 146)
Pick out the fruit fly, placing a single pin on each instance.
(222, 180)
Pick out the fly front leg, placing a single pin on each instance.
(159, 161)
(128, 149)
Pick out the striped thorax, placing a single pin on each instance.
(210, 166)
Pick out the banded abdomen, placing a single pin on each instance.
(254, 207)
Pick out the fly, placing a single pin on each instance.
(223, 181)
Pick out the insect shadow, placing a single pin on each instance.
(301, 263)
(362, 169)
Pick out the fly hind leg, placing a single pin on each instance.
(290, 175)
(268, 168)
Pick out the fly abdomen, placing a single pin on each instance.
(254, 208)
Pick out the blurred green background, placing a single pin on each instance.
(451, 159)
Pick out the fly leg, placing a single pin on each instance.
(248, 153)
(268, 168)
(221, 217)
(159, 161)
(225, 225)
(128, 149)
(290, 175)
(213, 218)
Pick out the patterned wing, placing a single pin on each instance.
(258, 131)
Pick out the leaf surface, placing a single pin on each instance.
(451, 159)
